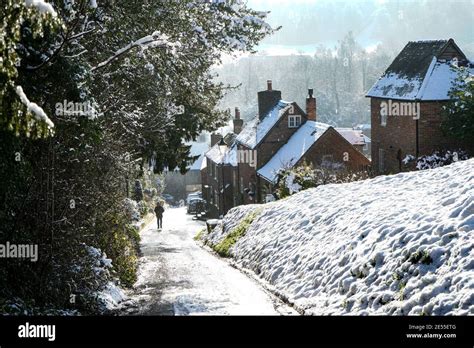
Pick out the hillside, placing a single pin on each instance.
(393, 245)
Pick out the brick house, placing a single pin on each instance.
(407, 101)
(243, 168)
(219, 174)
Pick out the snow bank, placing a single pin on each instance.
(112, 296)
(395, 245)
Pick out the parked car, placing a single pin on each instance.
(196, 205)
(192, 196)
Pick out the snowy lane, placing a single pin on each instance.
(177, 277)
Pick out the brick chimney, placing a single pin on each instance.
(238, 123)
(215, 137)
(267, 100)
(311, 106)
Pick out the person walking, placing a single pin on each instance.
(159, 215)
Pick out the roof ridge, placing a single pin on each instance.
(426, 78)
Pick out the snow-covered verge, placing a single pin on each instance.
(392, 245)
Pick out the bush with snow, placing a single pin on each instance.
(439, 159)
(396, 245)
(302, 177)
(436, 159)
(143, 208)
(131, 209)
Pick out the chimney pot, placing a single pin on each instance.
(269, 85)
(238, 123)
(237, 114)
(310, 92)
(215, 138)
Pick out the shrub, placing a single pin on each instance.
(138, 192)
(423, 257)
(143, 208)
(458, 119)
(435, 160)
(131, 209)
(293, 180)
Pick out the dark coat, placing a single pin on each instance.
(159, 210)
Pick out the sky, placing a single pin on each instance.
(309, 23)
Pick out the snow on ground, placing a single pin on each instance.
(178, 277)
(112, 296)
(392, 245)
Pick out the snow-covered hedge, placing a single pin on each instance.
(293, 180)
(436, 159)
(396, 245)
(131, 209)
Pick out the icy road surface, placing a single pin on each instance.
(178, 277)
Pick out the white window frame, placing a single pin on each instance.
(294, 121)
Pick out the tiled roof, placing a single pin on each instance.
(417, 74)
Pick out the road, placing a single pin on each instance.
(178, 277)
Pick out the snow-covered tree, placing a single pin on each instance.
(145, 70)
(459, 113)
(21, 23)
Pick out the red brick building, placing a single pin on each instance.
(407, 101)
(244, 168)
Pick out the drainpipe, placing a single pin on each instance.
(223, 190)
(417, 139)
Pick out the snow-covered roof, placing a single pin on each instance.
(439, 80)
(300, 142)
(229, 156)
(197, 149)
(354, 136)
(203, 163)
(197, 163)
(417, 74)
(435, 85)
(255, 130)
(290, 153)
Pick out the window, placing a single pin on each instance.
(241, 185)
(294, 121)
(381, 160)
(383, 119)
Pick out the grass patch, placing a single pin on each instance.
(200, 234)
(421, 257)
(224, 246)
